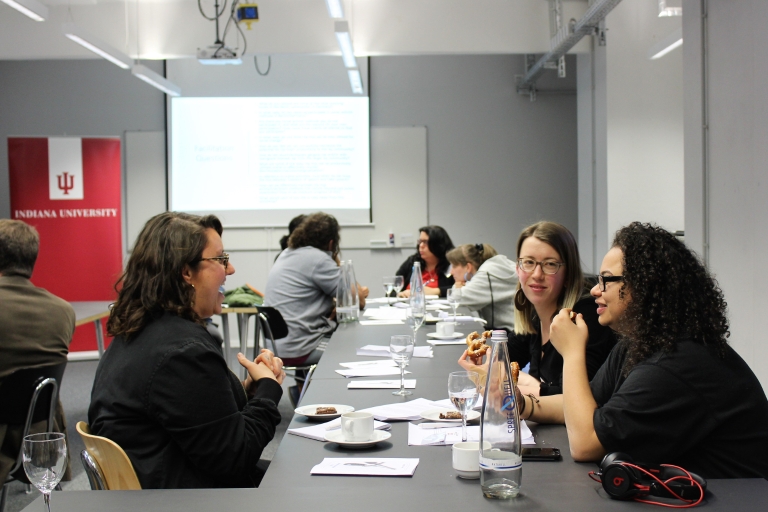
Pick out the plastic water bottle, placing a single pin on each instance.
(501, 463)
(347, 301)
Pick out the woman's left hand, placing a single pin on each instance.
(264, 366)
(569, 336)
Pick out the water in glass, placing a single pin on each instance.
(463, 392)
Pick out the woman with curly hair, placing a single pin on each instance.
(434, 243)
(163, 391)
(672, 391)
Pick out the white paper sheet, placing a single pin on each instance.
(363, 364)
(418, 436)
(318, 431)
(444, 315)
(384, 314)
(435, 342)
(366, 466)
(403, 411)
(381, 384)
(447, 404)
(383, 351)
(370, 371)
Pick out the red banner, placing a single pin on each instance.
(69, 189)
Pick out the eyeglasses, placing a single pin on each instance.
(223, 259)
(422, 242)
(548, 267)
(603, 280)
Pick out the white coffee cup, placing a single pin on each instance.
(445, 328)
(357, 426)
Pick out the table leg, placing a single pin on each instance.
(242, 321)
(99, 337)
(227, 347)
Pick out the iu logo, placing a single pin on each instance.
(65, 168)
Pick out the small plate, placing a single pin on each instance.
(468, 475)
(336, 436)
(454, 336)
(309, 411)
(434, 415)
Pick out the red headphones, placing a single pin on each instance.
(623, 479)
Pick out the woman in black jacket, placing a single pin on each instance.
(434, 242)
(163, 391)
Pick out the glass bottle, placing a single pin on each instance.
(417, 299)
(501, 466)
(347, 302)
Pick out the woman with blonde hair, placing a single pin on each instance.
(550, 278)
(487, 281)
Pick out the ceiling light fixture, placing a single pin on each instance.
(156, 80)
(345, 43)
(335, 10)
(355, 81)
(666, 45)
(97, 46)
(31, 8)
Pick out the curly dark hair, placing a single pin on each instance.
(317, 230)
(152, 282)
(295, 222)
(673, 296)
(439, 244)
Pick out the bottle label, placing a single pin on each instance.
(500, 464)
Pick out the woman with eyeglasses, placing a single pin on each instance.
(434, 243)
(163, 390)
(488, 282)
(673, 391)
(550, 278)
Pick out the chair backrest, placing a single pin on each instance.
(115, 465)
(18, 390)
(93, 472)
(272, 325)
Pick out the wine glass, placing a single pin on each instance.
(399, 283)
(414, 317)
(389, 287)
(454, 298)
(401, 350)
(463, 392)
(45, 458)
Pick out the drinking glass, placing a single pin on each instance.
(45, 457)
(414, 317)
(463, 392)
(399, 283)
(401, 350)
(389, 287)
(454, 298)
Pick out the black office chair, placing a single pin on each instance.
(273, 326)
(28, 396)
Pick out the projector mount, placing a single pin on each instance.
(218, 52)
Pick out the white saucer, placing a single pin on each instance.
(468, 475)
(434, 415)
(454, 336)
(309, 411)
(336, 436)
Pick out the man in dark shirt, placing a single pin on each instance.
(673, 391)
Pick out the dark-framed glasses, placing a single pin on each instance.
(223, 259)
(603, 280)
(547, 266)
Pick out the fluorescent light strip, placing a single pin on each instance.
(31, 8)
(156, 80)
(355, 81)
(97, 46)
(666, 45)
(335, 10)
(345, 43)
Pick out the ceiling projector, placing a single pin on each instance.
(217, 54)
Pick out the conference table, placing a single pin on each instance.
(93, 311)
(546, 486)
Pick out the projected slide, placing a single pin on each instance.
(261, 160)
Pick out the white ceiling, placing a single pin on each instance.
(156, 29)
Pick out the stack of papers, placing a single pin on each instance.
(381, 384)
(366, 466)
(404, 411)
(317, 432)
(385, 313)
(370, 371)
(444, 315)
(363, 364)
(383, 351)
(430, 434)
(459, 341)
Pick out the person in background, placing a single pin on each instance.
(673, 391)
(36, 328)
(434, 243)
(302, 286)
(295, 222)
(162, 390)
(488, 282)
(550, 278)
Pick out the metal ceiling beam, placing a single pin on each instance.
(565, 39)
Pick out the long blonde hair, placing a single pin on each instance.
(561, 240)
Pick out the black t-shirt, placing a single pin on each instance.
(546, 361)
(688, 407)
